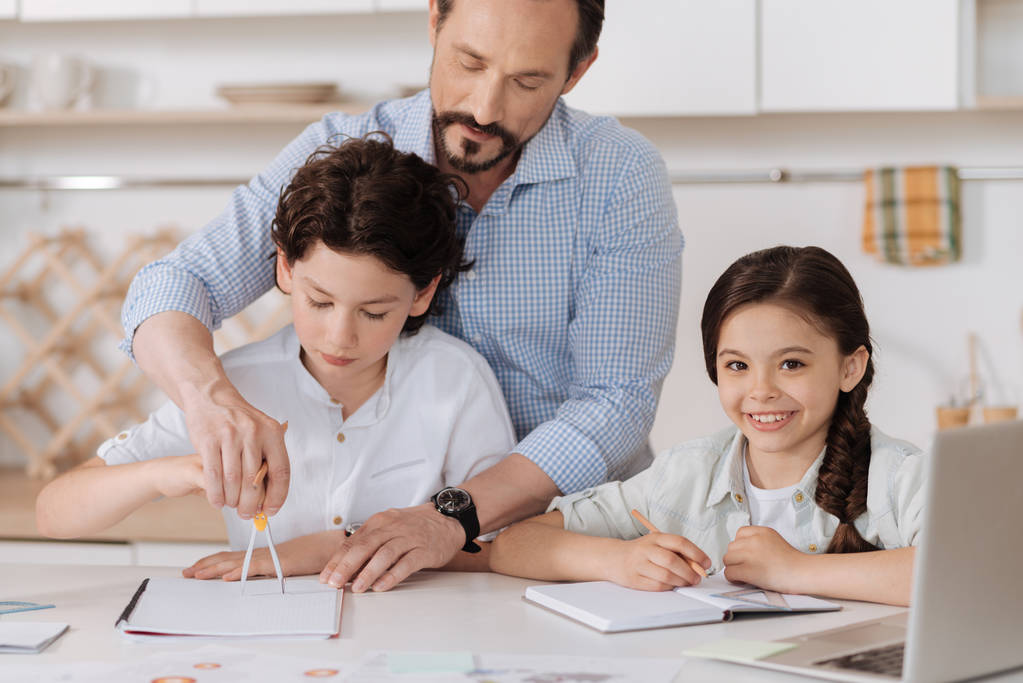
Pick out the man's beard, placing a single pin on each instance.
(509, 143)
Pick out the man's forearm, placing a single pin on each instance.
(510, 491)
(176, 352)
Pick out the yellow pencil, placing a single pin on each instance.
(260, 473)
(650, 527)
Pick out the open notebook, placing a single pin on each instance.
(609, 607)
(189, 607)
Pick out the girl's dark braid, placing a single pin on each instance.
(842, 479)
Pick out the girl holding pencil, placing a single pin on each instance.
(801, 495)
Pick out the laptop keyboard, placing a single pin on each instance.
(885, 660)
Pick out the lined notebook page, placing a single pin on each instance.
(218, 608)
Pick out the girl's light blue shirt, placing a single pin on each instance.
(696, 490)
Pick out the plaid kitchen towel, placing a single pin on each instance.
(912, 215)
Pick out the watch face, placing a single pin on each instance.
(453, 500)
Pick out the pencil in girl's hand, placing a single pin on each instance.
(650, 527)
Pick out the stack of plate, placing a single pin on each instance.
(278, 93)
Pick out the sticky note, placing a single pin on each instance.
(738, 650)
(430, 662)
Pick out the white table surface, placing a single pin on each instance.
(443, 611)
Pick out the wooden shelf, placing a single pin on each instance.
(188, 519)
(999, 102)
(247, 114)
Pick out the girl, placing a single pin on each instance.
(382, 409)
(802, 495)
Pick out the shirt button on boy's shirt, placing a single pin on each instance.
(340, 437)
(799, 497)
(337, 520)
(471, 275)
(813, 547)
(122, 436)
(739, 498)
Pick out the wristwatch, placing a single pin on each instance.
(457, 503)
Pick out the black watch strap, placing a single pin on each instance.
(467, 517)
(470, 521)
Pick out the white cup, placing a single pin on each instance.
(8, 77)
(59, 81)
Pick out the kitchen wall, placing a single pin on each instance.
(920, 317)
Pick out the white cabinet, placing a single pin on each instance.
(840, 55)
(230, 8)
(402, 5)
(61, 10)
(673, 57)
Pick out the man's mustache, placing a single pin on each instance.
(448, 118)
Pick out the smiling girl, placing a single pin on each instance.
(382, 408)
(801, 495)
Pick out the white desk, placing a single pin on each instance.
(431, 611)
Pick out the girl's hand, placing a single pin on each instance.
(760, 556)
(178, 475)
(655, 562)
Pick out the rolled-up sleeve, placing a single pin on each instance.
(622, 335)
(227, 265)
(606, 510)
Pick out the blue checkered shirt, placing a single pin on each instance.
(573, 297)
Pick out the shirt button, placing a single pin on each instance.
(471, 275)
(122, 436)
(477, 338)
(334, 401)
(813, 547)
(337, 520)
(799, 497)
(340, 437)
(738, 498)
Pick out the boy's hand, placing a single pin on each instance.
(760, 556)
(178, 475)
(657, 562)
(296, 560)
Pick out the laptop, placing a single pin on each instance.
(967, 603)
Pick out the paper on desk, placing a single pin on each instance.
(206, 664)
(710, 588)
(738, 650)
(219, 609)
(28, 637)
(375, 667)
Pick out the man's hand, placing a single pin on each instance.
(393, 544)
(233, 439)
(760, 556)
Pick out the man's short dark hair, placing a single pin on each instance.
(591, 20)
(365, 197)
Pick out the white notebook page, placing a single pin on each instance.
(218, 608)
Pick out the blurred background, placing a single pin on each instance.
(124, 118)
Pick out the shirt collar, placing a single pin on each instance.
(546, 157)
(376, 406)
(729, 480)
(416, 135)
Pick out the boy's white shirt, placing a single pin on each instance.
(696, 490)
(438, 419)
